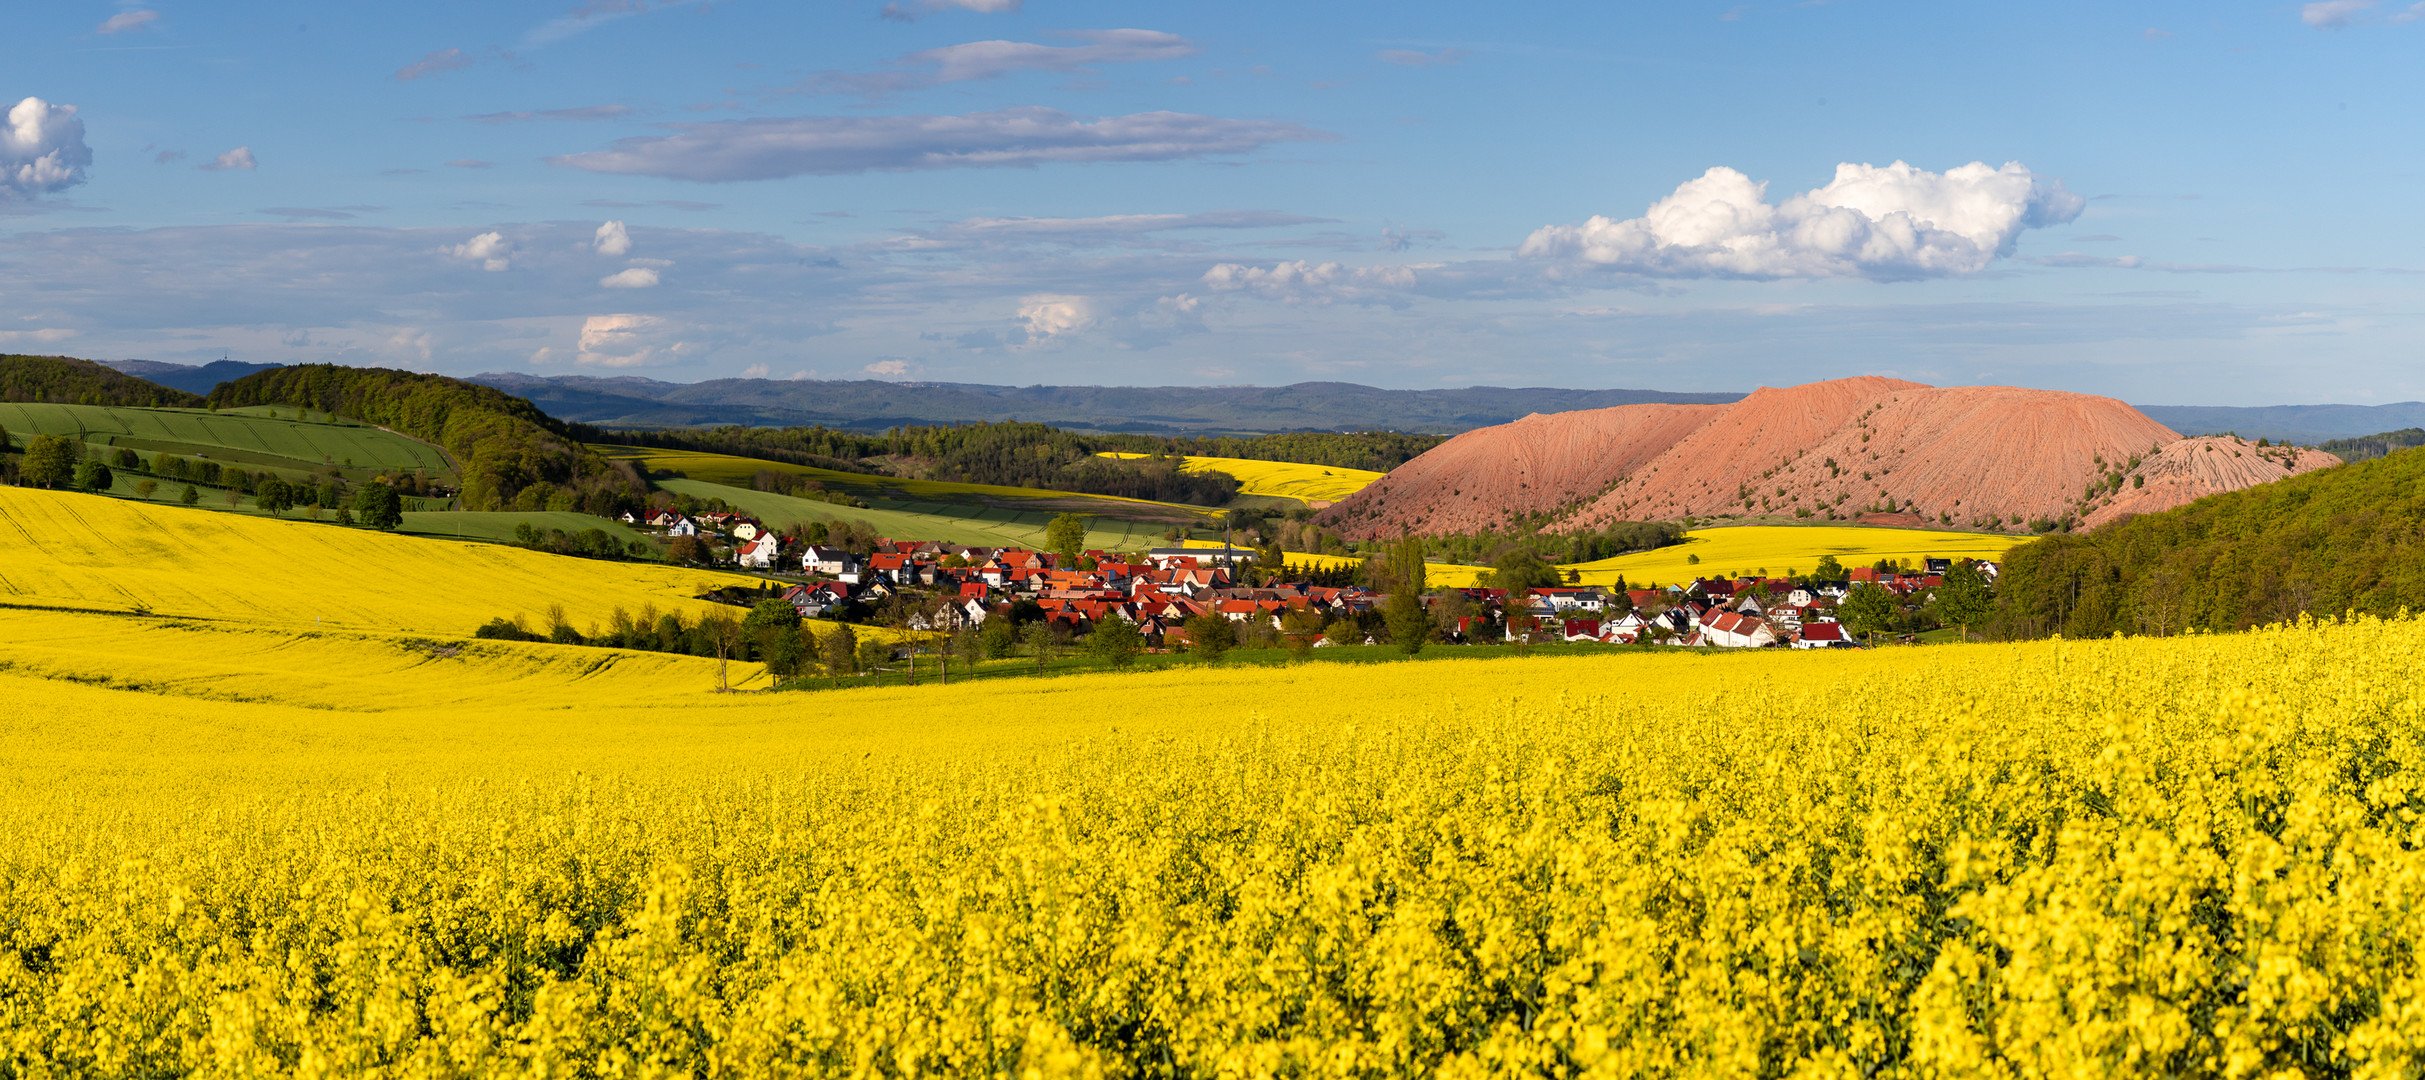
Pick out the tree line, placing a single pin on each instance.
(2324, 543)
(2368, 447)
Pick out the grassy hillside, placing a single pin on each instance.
(252, 438)
(107, 554)
(956, 523)
(65, 379)
(2350, 538)
(510, 455)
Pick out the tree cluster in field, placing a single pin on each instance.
(802, 487)
(65, 380)
(58, 461)
(512, 455)
(592, 543)
(2323, 543)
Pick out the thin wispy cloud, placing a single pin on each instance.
(1418, 58)
(976, 60)
(913, 10)
(1026, 137)
(586, 112)
(127, 22)
(442, 60)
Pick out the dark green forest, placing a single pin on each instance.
(62, 380)
(2368, 447)
(1033, 455)
(512, 456)
(2345, 539)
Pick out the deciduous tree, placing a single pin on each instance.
(1115, 641)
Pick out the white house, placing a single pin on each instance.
(758, 554)
(1822, 635)
(819, 559)
(682, 526)
(1734, 630)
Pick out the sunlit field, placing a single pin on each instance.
(1282, 479)
(59, 549)
(341, 853)
(247, 437)
(1778, 549)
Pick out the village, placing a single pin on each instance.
(932, 586)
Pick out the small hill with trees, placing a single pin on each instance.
(511, 455)
(65, 380)
(2345, 539)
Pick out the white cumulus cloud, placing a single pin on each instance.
(638, 277)
(238, 158)
(41, 150)
(1894, 222)
(632, 341)
(1046, 317)
(612, 239)
(491, 250)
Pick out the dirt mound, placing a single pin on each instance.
(1987, 457)
(1535, 465)
(1977, 456)
(2191, 469)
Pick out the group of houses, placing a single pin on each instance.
(960, 585)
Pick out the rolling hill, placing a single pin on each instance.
(1977, 457)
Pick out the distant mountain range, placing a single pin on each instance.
(2306, 424)
(187, 377)
(869, 405)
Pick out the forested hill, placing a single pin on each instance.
(2365, 447)
(2348, 538)
(512, 455)
(68, 381)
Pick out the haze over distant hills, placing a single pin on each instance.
(870, 405)
(187, 377)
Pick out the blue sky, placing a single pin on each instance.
(2171, 204)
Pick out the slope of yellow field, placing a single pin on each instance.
(1282, 479)
(93, 552)
(1779, 549)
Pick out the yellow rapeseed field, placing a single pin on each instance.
(1284, 479)
(86, 551)
(2190, 856)
(1750, 549)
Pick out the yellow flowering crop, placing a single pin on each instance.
(293, 853)
(1284, 479)
(1748, 549)
(85, 551)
